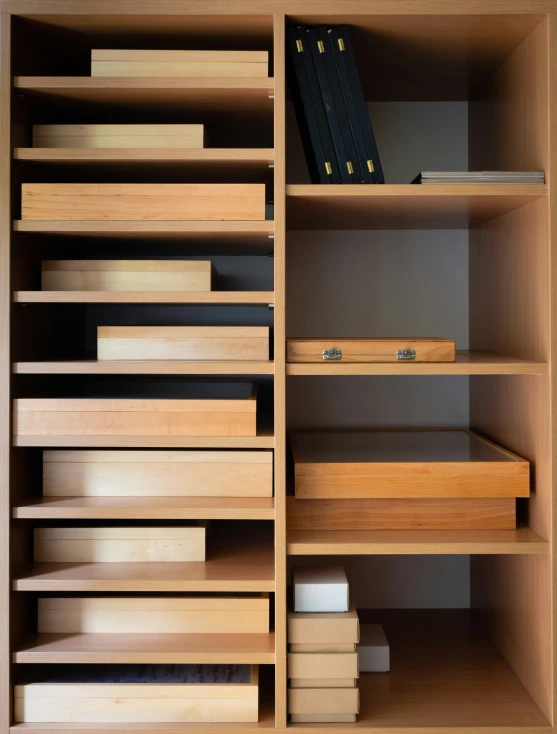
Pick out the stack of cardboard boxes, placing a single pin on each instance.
(323, 631)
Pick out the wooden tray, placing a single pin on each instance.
(405, 464)
(118, 136)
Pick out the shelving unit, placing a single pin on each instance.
(490, 667)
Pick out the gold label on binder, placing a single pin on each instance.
(370, 167)
(299, 46)
(321, 47)
(350, 167)
(328, 167)
(341, 44)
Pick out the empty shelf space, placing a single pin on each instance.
(144, 367)
(467, 363)
(522, 541)
(233, 564)
(178, 649)
(145, 508)
(211, 95)
(446, 674)
(404, 206)
(210, 298)
(208, 232)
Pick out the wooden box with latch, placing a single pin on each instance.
(371, 350)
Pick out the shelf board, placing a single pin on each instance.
(208, 232)
(147, 508)
(212, 298)
(446, 676)
(263, 440)
(522, 541)
(143, 367)
(404, 206)
(177, 649)
(233, 564)
(467, 363)
(211, 95)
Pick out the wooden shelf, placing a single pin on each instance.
(144, 508)
(210, 298)
(208, 232)
(140, 367)
(404, 206)
(178, 649)
(467, 363)
(234, 563)
(263, 440)
(209, 95)
(415, 542)
(446, 675)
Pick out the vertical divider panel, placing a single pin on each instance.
(5, 368)
(280, 368)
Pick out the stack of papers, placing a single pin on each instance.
(467, 177)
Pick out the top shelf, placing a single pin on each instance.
(404, 206)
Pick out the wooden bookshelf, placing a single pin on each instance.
(489, 668)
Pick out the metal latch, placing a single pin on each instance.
(332, 354)
(406, 354)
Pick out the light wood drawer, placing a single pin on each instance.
(157, 473)
(118, 136)
(323, 665)
(152, 694)
(401, 514)
(234, 416)
(183, 342)
(179, 63)
(323, 682)
(122, 202)
(127, 275)
(406, 464)
(323, 700)
(179, 615)
(119, 544)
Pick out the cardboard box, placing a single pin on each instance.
(323, 700)
(113, 473)
(149, 693)
(183, 342)
(309, 628)
(323, 682)
(151, 615)
(373, 649)
(323, 665)
(127, 275)
(323, 718)
(320, 589)
(119, 545)
(323, 646)
(118, 136)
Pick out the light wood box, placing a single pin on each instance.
(127, 275)
(135, 417)
(405, 464)
(168, 63)
(128, 702)
(157, 473)
(482, 513)
(119, 545)
(118, 136)
(323, 682)
(323, 700)
(323, 665)
(323, 718)
(310, 628)
(371, 350)
(155, 202)
(323, 647)
(179, 615)
(183, 342)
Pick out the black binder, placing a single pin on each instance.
(331, 106)
(310, 113)
(352, 90)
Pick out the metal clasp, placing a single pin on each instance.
(406, 354)
(332, 354)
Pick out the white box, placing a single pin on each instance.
(320, 589)
(373, 649)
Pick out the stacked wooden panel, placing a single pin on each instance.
(118, 136)
(397, 480)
